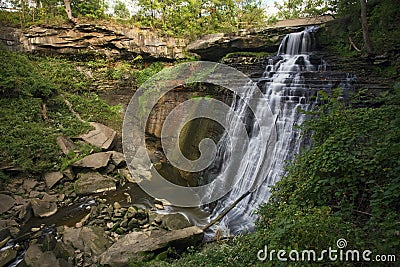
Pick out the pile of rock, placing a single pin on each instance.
(110, 233)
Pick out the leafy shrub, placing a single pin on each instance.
(19, 77)
(92, 108)
(33, 115)
(146, 73)
(26, 141)
(63, 74)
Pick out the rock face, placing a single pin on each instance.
(135, 245)
(215, 46)
(93, 182)
(102, 136)
(111, 41)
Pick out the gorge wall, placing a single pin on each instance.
(89, 39)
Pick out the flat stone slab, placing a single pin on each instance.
(94, 161)
(102, 136)
(135, 245)
(43, 208)
(87, 238)
(6, 203)
(52, 178)
(65, 144)
(93, 182)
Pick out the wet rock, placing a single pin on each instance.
(42, 208)
(94, 161)
(6, 203)
(35, 257)
(102, 136)
(5, 235)
(116, 205)
(174, 221)
(83, 221)
(93, 182)
(128, 197)
(133, 223)
(7, 256)
(131, 212)
(159, 206)
(52, 178)
(135, 245)
(65, 144)
(87, 238)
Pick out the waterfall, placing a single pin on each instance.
(284, 85)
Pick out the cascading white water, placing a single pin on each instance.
(286, 91)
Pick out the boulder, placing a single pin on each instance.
(135, 245)
(43, 208)
(35, 257)
(102, 136)
(94, 161)
(7, 256)
(93, 182)
(6, 203)
(175, 221)
(65, 144)
(91, 239)
(52, 178)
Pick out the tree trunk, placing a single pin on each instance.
(364, 24)
(68, 9)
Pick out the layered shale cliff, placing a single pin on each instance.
(90, 39)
